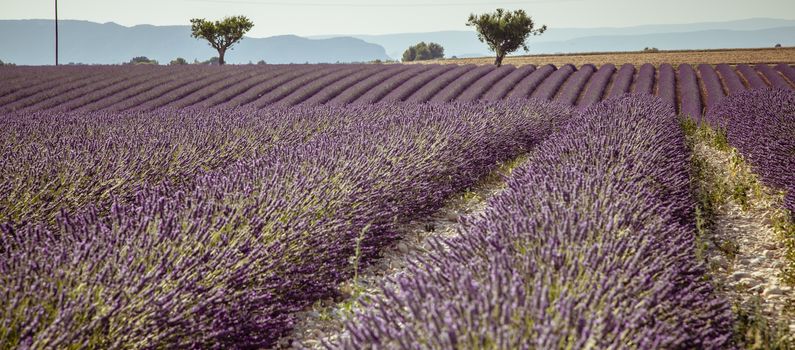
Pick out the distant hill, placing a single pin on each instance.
(706, 39)
(32, 41)
(754, 32)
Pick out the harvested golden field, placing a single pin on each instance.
(728, 56)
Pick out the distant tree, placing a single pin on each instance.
(423, 51)
(1, 63)
(213, 61)
(437, 51)
(141, 60)
(221, 34)
(261, 62)
(504, 31)
(178, 61)
(410, 54)
(651, 49)
(778, 46)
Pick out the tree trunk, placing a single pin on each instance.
(221, 54)
(498, 61)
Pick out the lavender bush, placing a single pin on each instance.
(751, 76)
(730, 78)
(772, 76)
(574, 85)
(355, 82)
(713, 89)
(406, 89)
(525, 87)
(426, 91)
(597, 86)
(380, 91)
(259, 90)
(644, 84)
(787, 71)
(689, 93)
(457, 86)
(666, 85)
(761, 125)
(622, 80)
(341, 76)
(507, 85)
(550, 86)
(478, 89)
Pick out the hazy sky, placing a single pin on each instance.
(321, 17)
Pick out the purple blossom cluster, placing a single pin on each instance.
(752, 78)
(505, 86)
(787, 71)
(622, 80)
(713, 89)
(426, 91)
(525, 87)
(761, 125)
(597, 86)
(454, 89)
(550, 86)
(573, 87)
(689, 93)
(644, 83)
(590, 246)
(476, 90)
(730, 78)
(212, 228)
(666, 85)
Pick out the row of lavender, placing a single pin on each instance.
(761, 125)
(689, 90)
(591, 246)
(196, 250)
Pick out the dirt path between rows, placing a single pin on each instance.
(743, 249)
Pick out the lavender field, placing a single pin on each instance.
(204, 207)
(689, 89)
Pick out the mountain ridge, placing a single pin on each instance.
(89, 42)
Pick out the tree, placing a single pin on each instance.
(423, 51)
(437, 51)
(141, 60)
(410, 54)
(504, 31)
(178, 61)
(221, 34)
(213, 61)
(778, 46)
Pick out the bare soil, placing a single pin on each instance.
(745, 254)
(727, 56)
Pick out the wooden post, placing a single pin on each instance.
(56, 32)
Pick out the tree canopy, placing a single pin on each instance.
(504, 31)
(142, 60)
(221, 35)
(423, 51)
(178, 61)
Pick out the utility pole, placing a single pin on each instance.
(56, 32)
